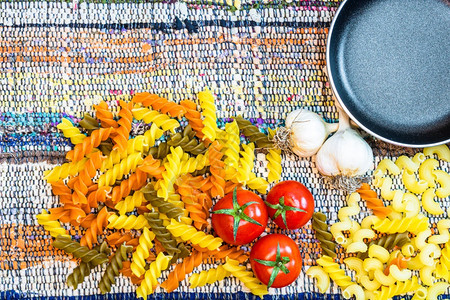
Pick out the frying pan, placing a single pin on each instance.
(388, 62)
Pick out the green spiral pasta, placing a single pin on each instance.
(388, 242)
(160, 151)
(112, 270)
(187, 141)
(323, 235)
(84, 269)
(165, 207)
(184, 252)
(162, 234)
(253, 134)
(89, 123)
(203, 171)
(84, 253)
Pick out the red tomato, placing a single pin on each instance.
(239, 217)
(276, 260)
(290, 204)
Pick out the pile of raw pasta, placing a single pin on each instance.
(148, 198)
(397, 250)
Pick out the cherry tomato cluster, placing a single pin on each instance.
(241, 216)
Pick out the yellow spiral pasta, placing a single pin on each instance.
(412, 184)
(233, 142)
(192, 164)
(136, 144)
(127, 222)
(246, 163)
(246, 277)
(426, 169)
(152, 116)
(441, 151)
(142, 252)
(171, 172)
(443, 178)
(274, 165)
(126, 165)
(321, 277)
(54, 227)
(208, 277)
(152, 274)
(70, 131)
(335, 273)
(209, 113)
(414, 225)
(130, 202)
(112, 159)
(65, 170)
(399, 288)
(150, 137)
(443, 266)
(257, 183)
(189, 233)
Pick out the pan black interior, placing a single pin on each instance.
(389, 61)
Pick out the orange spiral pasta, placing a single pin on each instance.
(198, 215)
(104, 114)
(230, 186)
(68, 213)
(60, 189)
(94, 224)
(160, 104)
(373, 202)
(217, 170)
(116, 239)
(84, 179)
(122, 134)
(223, 252)
(98, 195)
(182, 269)
(136, 181)
(126, 271)
(152, 167)
(401, 262)
(88, 144)
(194, 117)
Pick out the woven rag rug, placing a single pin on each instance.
(260, 59)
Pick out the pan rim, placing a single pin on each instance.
(341, 102)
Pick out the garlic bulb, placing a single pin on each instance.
(305, 132)
(345, 154)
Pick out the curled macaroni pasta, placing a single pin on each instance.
(356, 264)
(354, 290)
(358, 237)
(437, 289)
(404, 162)
(411, 183)
(443, 236)
(384, 166)
(429, 204)
(321, 277)
(441, 151)
(426, 169)
(443, 178)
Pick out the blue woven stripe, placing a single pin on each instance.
(174, 295)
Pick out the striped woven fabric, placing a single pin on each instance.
(57, 59)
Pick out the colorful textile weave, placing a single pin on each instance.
(57, 59)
